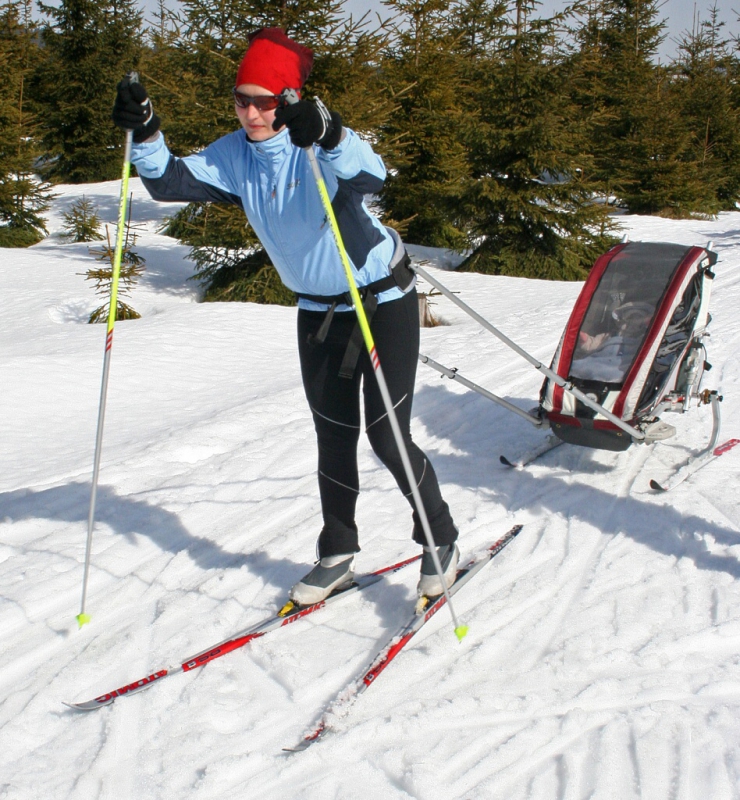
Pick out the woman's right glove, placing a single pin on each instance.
(307, 123)
(133, 110)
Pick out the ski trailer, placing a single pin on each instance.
(632, 350)
(634, 343)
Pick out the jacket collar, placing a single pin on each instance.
(272, 150)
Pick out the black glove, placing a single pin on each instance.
(133, 110)
(307, 125)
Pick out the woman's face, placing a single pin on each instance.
(257, 124)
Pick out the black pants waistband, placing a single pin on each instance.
(401, 276)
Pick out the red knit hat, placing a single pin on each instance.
(274, 61)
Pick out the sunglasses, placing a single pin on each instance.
(262, 102)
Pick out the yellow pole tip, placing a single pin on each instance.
(82, 619)
(461, 632)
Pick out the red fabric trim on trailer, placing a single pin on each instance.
(605, 425)
(659, 322)
(570, 338)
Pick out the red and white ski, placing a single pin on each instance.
(693, 465)
(286, 616)
(421, 615)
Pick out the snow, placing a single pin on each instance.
(603, 654)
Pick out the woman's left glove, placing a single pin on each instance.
(307, 124)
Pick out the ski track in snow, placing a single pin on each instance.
(603, 655)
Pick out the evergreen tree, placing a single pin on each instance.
(703, 88)
(131, 268)
(641, 142)
(229, 260)
(189, 72)
(309, 22)
(23, 197)
(348, 77)
(89, 45)
(530, 200)
(428, 171)
(588, 83)
(194, 59)
(81, 221)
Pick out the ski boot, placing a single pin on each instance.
(429, 582)
(331, 572)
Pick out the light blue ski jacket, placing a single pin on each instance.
(273, 183)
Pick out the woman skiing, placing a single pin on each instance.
(267, 173)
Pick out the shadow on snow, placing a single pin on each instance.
(128, 516)
(474, 426)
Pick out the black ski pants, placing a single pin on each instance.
(335, 405)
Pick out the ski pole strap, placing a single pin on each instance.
(320, 335)
(401, 276)
(355, 344)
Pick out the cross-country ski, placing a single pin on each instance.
(425, 609)
(286, 616)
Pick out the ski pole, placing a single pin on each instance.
(291, 97)
(83, 617)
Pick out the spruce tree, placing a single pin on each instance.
(309, 22)
(23, 197)
(131, 267)
(348, 77)
(703, 88)
(81, 222)
(193, 60)
(530, 200)
(588, 87)
(229, 260)
(424, 74)
(641, 142)
(190, 71)
(89, 45)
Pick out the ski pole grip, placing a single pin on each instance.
(290, 97)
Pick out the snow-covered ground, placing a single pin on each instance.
(603, 659)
